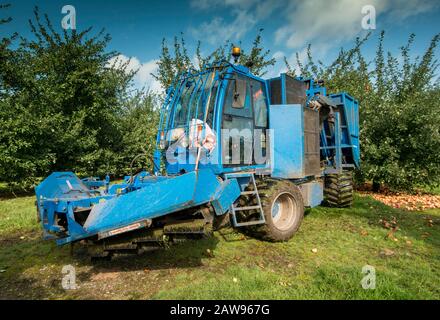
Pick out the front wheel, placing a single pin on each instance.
(283, 209)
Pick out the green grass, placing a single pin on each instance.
(17, 216)
(233, 266)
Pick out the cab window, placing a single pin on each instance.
(238, 124)
(240, 93)
(238, 97)
(181, 108)
(259, 103)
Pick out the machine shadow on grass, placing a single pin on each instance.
(28, 267)
(34, 267)
(187, 254)
(29, 289)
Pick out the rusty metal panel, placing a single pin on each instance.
(311, 142)
(295, 91)
(275, 91)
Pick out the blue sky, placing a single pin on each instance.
(137, 27)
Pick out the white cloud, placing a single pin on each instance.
(332, 22)
(312, 20)
(217, 31)
(328, 24)
(212, 4)
(278, 55)
(279, 66)
(324, 23)
(143, 77)
(245, 15)
(410, 8)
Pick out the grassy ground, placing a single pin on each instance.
(323, 261)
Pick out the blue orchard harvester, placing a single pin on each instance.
(232, 148)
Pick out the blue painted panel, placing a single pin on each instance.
(62, 185)
(226, 195)
(287, 141)
(313, 193)
(148, 202)
(156, 199)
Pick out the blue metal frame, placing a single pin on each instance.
(224, 73)
(132, 203)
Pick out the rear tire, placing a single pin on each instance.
(338, 189)
(283, 209)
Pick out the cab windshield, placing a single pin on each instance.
(191, 101)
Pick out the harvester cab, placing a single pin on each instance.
(232, 148)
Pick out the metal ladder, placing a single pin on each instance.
(234, 208)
